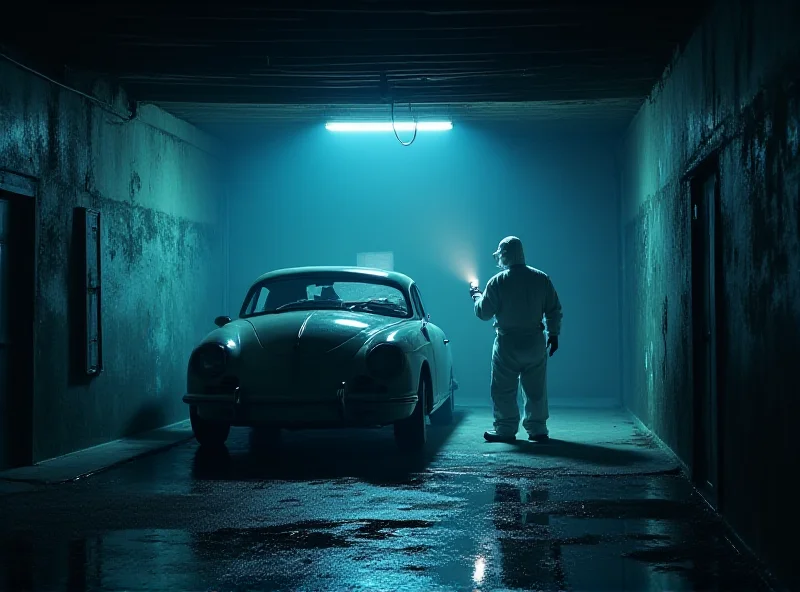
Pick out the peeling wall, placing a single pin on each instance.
(161, 256)
(732, 92)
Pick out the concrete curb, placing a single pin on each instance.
(84, 463)
(737, 543)
(684, 469)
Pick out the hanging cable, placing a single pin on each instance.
(107, 107)
(394, 128)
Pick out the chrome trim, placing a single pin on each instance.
(230, 400)
(225, 399)
(340, 392)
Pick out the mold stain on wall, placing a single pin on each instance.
(161, 259)
(733, 96)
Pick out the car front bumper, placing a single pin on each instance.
(361, 410)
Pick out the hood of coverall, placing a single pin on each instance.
(509, 252)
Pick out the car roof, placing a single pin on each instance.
(365, 273)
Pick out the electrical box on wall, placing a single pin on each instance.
(88, 225)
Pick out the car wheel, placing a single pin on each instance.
(444, 414)
(411, 433)
(208, 433)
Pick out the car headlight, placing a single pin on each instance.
(208, 360)
(385, 361)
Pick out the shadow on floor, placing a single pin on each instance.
(576, 451)
(324, 454)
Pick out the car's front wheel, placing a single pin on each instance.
(411, 433)
(208, 433)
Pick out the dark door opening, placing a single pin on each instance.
(17, 276)
(705, 280)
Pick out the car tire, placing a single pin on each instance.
(208, 433)
(444, 414)
(411, 433)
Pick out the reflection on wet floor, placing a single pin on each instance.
(346, 511)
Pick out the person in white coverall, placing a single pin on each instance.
(518, 298)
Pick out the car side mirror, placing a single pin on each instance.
(222, 321)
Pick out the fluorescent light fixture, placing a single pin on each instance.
(381, 126)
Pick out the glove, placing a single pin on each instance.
(552, 343)
(475, 292)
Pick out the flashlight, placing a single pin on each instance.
(474, 291)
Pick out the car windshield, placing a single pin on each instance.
(279, 295)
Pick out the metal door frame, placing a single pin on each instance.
(711, 236)
(21, 187)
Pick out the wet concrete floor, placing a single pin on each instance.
(598, 508)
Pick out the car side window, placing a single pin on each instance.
(261, 302)
(421, 304)
(415, 295)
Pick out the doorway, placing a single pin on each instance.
(17, 291)
(705, 323)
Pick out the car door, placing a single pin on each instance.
(440, 346)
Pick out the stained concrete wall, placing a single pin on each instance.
(733, 91)
(151, 179)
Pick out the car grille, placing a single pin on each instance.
(226, 386)
(366, 384)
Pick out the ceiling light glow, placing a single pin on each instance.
(387, 126)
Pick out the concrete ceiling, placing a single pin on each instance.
(614, 112)
(211, 62)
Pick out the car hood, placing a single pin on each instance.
(317, 331)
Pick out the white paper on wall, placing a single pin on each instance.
(381, 260)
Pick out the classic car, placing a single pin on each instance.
(323, 347)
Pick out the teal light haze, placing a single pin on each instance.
(302, 195)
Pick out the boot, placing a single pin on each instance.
(493, 436)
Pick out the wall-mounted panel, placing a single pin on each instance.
(91, 289)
